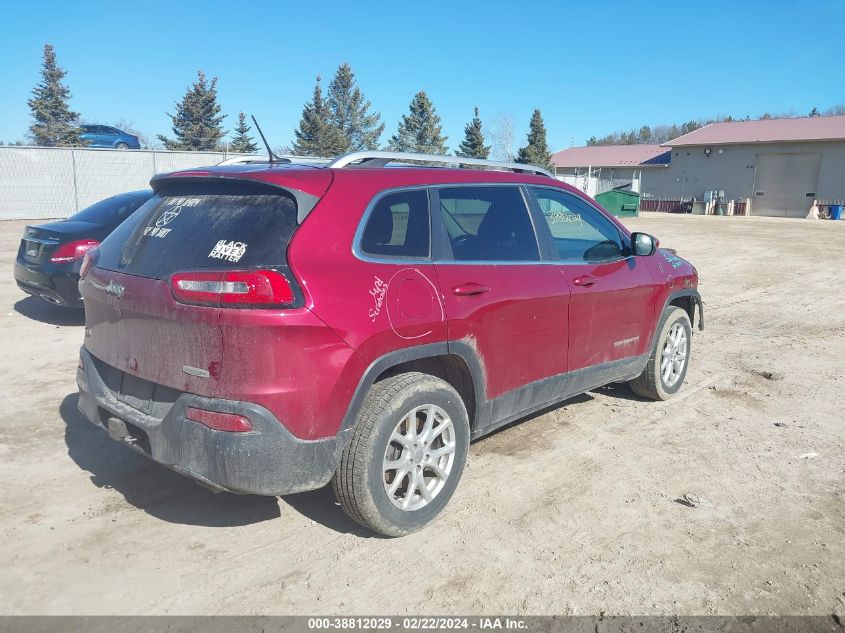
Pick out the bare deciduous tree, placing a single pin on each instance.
(502, 137)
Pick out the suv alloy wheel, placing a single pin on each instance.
(667, 365)
(406, 456)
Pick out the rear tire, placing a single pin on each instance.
(406, 455)
(122, 146)
(667, 365)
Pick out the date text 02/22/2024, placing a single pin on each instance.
(420, 623)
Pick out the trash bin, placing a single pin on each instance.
(835, 211)
(622, 203)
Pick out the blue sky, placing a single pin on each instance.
(591, 67)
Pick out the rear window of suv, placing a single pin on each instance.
(203, 225)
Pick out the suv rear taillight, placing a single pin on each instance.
(89, 261)
(71, 251)
(233, 288)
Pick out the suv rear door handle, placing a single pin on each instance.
(584, 280)
(470, 290)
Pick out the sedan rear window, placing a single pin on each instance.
(203, 225)
(111, 209)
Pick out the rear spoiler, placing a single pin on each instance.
(305, 202)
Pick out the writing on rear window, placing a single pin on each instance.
(156, 231)
(171, 214)
(206, 224)
(183, 201)
(230, 251)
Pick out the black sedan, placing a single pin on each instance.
(50, 254)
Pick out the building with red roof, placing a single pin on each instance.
(780, 165)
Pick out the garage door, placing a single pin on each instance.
(785, 184)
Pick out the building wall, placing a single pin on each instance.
(692, 172)
(602, 179)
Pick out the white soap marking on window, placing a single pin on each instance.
(155, 231)
(231, 251)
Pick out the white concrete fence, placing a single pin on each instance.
(55, 182)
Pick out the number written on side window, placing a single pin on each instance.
(580, 233)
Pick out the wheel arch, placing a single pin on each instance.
(687, 299)
(456, 364)
(686, 302)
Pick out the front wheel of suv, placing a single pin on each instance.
(406, 455)
(667, 366)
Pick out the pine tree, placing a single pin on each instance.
(197, 123)
(537, 151)
(349, 113)
(473, 144)
(419, 131)
(315, 136)
(54, 120)
(242, 141)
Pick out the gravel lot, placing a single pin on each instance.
(570, 512)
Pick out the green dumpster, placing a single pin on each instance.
(620, 202)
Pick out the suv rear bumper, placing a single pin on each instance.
(268, 460)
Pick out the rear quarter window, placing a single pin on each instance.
(203, 225)
(398, 226)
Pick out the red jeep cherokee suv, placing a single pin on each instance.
(265, 329)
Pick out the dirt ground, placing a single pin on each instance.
(569, 512)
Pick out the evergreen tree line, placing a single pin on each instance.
(341, 121)
(662, 133)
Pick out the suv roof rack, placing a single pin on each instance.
(380, 159)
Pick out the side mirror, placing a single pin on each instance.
(643, 244)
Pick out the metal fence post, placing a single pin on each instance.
(75, 185)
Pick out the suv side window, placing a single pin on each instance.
(488, 223)
(580, 233)
(398, 226)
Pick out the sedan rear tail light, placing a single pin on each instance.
(89, 261)
(230, 422)
(235, 288)
(71, 251)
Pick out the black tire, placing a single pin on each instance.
(122, 146)
(359, 481)
(650, 383)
